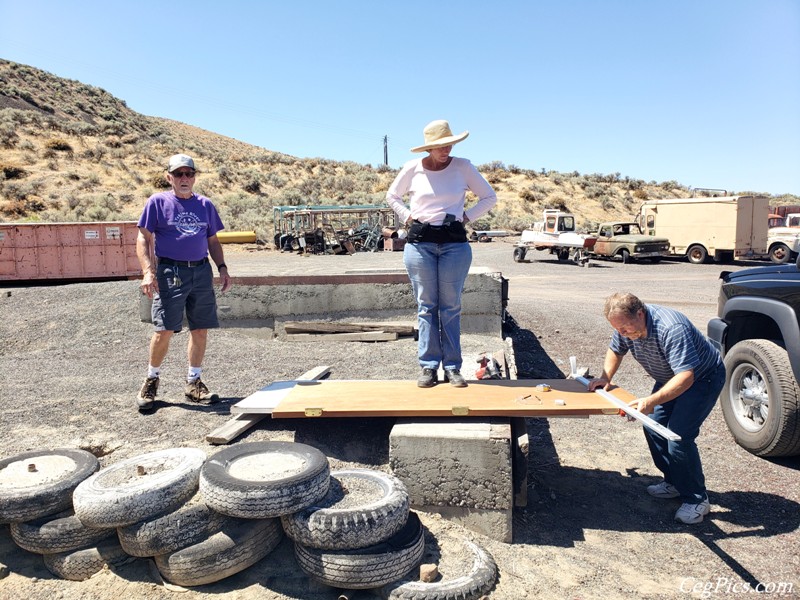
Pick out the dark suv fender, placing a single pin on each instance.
(749, 317)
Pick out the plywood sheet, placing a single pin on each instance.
(360, 398)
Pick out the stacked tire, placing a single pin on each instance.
(203, 520)
(36, 500)
(360, 535)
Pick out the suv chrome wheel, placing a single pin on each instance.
(760, 399)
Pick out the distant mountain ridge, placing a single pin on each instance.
(70, 151)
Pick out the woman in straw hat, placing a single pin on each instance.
(437, 255)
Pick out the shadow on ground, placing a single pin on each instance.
(531, 360)
(567, 499)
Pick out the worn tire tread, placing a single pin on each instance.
(238, 545)
(82, 564)
(63, 532)
(364, 568)
(168, 532)
(470, 586)
(325, 527)
(99, 502)
(264, 499)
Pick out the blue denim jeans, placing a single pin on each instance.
(680, 461)
(437, 273)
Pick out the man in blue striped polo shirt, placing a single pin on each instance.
(689, 375)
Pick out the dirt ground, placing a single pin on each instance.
(73, 357)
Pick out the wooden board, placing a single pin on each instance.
(349, 398)
(243, 421)
(233, 428)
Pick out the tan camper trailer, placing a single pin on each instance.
(723, 228)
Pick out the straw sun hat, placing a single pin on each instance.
(438, 134)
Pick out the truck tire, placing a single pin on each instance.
(63, 532)
(166, 533)
(780, 254)
(240, 544)
(563, 254)
(697, 254)
(476, 582)
(625, 256)
(365, 568)
(40, 483)
(259, 480)
(363, 507)
(138, 488)
(519, 254)
(761, 399)
(82, 564)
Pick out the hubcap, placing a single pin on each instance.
(749, 398)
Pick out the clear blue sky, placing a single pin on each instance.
(704, 92)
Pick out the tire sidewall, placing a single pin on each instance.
(260, 499)
(748, 354)
(27, 503)
(99, 502)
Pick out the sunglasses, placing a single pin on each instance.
(179, 174)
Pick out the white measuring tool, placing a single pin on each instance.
(652, 425)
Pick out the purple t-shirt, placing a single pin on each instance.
(181, 227)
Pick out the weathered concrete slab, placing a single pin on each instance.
(461, 469)
(292, 297)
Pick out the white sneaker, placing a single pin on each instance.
(692, 513)
(663, 490)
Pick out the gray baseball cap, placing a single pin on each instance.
(180, 160)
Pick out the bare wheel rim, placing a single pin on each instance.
(749, 398)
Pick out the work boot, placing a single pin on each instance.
(428, 378)
(196, 391)
(455, 378)
(147, 394)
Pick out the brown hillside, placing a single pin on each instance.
(73, 152)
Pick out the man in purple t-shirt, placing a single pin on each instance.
(177, 233)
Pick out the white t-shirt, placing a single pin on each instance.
(434, 194)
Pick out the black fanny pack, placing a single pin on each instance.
(437, 234)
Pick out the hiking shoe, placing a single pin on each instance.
(455, 378)
(196, 391)
(428, 378)
(693, 513)
(147, 394)
(663, 490)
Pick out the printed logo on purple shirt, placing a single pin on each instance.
(188, 223)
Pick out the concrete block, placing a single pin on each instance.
(494, 524)
(462, 469)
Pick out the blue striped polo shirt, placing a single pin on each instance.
(672, 345)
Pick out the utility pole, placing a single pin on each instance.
(386, 150)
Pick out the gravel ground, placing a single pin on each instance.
(73, 357)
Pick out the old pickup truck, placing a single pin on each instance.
(626, 242)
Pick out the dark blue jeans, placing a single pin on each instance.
(680, 461)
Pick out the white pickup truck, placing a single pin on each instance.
(556, 234)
